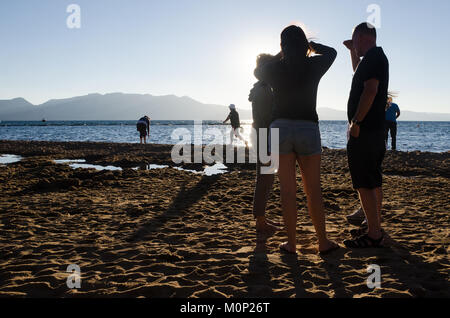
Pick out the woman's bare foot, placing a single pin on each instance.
(328, 247)
(264, 232)
(265, 226)
(286, 247)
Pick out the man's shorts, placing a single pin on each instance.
(301, 137)
(365, 156)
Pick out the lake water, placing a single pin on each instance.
(423, 136)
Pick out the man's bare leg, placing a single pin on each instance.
(379, 194)
(371, 203)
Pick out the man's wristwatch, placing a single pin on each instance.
(356, 122)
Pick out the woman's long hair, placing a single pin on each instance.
(295, 46)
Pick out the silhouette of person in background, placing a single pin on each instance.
(261, 97)
(233, 117)
(294, 76)
(143, 126)
(392, 113)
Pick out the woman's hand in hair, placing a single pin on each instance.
(313, 46)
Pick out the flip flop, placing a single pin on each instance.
(285, 250)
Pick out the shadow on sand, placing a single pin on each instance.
(402, 274)
(185, 198)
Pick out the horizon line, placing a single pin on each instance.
(186, 96)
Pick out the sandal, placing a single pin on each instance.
(359, 232)
(364, 241)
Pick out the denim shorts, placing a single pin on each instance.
(301, 137)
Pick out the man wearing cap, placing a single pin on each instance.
(233, 117)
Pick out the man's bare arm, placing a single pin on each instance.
(355, 59)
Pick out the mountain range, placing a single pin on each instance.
(119, 106)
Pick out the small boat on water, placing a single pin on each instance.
(43, 120)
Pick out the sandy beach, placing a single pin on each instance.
(171, 233)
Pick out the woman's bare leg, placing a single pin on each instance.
(310, 169)
(288, 189)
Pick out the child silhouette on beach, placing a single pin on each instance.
(261, 97)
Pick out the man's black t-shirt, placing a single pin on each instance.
(374, 65)
(234, 118)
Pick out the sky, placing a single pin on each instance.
(206, 49)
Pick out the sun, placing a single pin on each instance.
(249, 49)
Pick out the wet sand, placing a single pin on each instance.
(170, 233)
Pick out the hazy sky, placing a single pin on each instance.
(206, 49)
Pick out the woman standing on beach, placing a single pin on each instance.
(294, 77)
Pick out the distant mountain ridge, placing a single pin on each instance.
(120, 106)
(115, 106)
(405, 115)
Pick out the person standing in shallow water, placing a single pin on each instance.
(143, 126)
(294, 76)
(366, 146)
(392, 113)
(233, 117)
(261, 97)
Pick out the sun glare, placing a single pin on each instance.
(251, 48)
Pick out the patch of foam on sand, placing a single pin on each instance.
(217, 168)
(150, 167)
(80, 163)
(6, 159)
